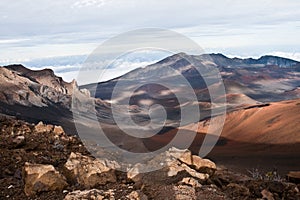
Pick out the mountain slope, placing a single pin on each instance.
(267, 124)
(275, 123)
(262, 137)
(36, 96)
(20, 85)
(266, 79)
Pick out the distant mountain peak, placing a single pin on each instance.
(278, 61)
(24, 70)
(218, 54)
(181, 54)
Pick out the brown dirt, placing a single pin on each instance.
(40, 148)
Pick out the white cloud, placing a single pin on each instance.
(291, 55)
(11, 41)
(101, 74)
(38, 29)
(86, 3)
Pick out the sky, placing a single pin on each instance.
(61, 34)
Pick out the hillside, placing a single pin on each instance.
(264, 136)
(266, 79)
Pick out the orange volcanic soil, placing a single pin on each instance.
(277, 123)
(264, 136)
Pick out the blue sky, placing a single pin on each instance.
(59, 34)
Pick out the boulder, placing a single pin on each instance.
(93, 194)
(200, 164)
(89, 172)
(170, 173)
(40, 178)
(184, 155)
(203, 165)
(169, 167)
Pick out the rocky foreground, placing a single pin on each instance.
(42, 162)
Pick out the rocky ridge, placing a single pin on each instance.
(23, 86)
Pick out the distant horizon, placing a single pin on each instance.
(61, 67)
(40, 31)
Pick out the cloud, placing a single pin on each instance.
(86, 3)
(40, 29)
(101, 74)
(293, 55)
(68, 67)
(12, 41)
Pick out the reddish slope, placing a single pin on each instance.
(277, 123)
(265, 137)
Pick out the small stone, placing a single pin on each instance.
(267, 195)
(191, 182)
(58, 130)
(137, 195)
(93, 194)
(42, 128)
(19, 141)
(183, 192)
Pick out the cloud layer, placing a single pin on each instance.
(33, 30)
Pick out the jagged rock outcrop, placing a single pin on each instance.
(199, 164)
(45, 77)
(172, 165)
(42, 178)
(16, 89)
(87, 171)
(40, 95)
(23, 86)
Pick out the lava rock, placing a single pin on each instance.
(87, 171)
(40, 178)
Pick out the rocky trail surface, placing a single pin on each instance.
(42, 162)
